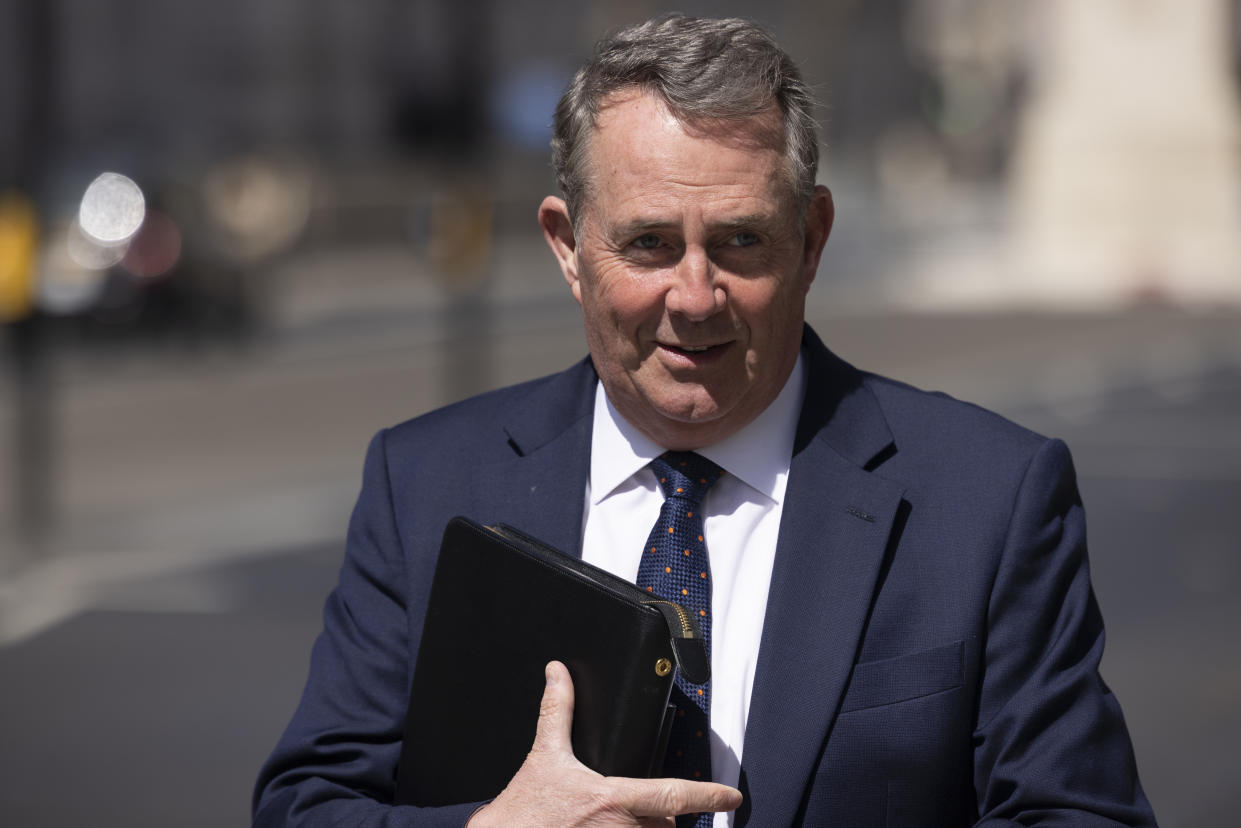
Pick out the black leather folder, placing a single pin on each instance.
(502, 605)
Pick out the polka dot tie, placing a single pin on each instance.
(674, 566)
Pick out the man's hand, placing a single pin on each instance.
(553, 788)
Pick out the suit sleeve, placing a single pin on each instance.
(335, 764)
(1051, 746)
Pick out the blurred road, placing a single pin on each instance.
(153, 654)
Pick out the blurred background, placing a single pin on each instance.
(238, 237)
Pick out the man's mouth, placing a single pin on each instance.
(694, 351)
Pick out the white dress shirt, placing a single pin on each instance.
(741, 522)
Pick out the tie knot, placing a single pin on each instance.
(685, 474)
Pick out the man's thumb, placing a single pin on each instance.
(555, 726)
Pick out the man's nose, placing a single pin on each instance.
(695, 293)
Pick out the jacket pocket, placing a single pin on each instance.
(906, 677)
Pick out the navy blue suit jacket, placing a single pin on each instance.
(930, 650)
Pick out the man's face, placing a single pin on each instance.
(691, 268)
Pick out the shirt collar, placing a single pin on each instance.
(758, 454)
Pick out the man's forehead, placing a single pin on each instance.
(645, 110)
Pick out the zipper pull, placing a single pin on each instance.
(692, 661)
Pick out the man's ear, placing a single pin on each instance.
(558, 231)
(820, 214)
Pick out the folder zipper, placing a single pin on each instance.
(687, 629)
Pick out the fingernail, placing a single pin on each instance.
(553, 678)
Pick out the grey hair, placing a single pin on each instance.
(704, 70)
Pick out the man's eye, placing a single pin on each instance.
(647, 241)
(743, 239)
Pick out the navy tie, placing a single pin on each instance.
(674, 566)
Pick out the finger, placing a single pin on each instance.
(669, 797)
(553, 733)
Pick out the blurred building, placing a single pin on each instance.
(1128, 176)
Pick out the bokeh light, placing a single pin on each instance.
(87, 252)
(112, 209)
(260, 206)
(18, 241)
(71, 275)
(155, 248)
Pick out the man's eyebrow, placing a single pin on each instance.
(646, 225)
(643, 225)
(738, 222)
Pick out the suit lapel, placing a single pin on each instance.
(539, 488)
(834, 531)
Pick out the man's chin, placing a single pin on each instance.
(684, 425)
(674, 417)
(690, 409)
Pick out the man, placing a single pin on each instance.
(901, 622)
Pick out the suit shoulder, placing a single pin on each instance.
(473, 413)
(968, 460)
(481, 421)
(935, 421)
